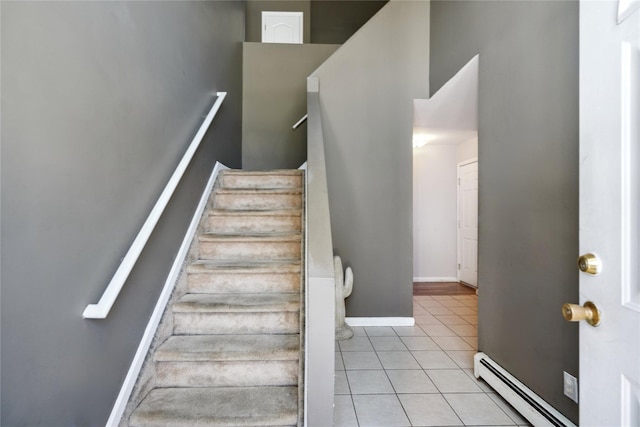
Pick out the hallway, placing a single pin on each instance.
(418, 376)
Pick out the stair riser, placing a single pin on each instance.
(218, 407)
(224, 283)
(249, 250)
(257, 201)
(253, 224)
(227, 374)
(261, 181)
(236, 323)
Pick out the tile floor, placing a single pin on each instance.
(420, 375)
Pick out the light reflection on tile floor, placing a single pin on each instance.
(420, 375)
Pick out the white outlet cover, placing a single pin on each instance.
(571, 387)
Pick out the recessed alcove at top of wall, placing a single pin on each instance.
(445, 133)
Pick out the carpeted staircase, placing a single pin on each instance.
(234, 356)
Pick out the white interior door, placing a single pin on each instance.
(282, 27)
(468, 223)
(609, 199)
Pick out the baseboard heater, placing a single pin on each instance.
(526, 402)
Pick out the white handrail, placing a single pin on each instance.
(102, 308)
(299, 122)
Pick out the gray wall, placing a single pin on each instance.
(366, 92)
(99, 102)
(253, 27)
(528, 196)
(274, 98)
(334, 21)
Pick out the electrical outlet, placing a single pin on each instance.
(571, 387)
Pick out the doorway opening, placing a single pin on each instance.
(445, 182)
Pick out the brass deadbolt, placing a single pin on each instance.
(590, 264)
(576, 313)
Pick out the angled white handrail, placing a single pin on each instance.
(299, 122)
(102, 308)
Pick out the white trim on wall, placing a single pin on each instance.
(380, 321)
(435, 279)
(468, 161)
(136, 365)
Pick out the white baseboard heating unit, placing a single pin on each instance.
(526, 402)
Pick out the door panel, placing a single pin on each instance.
(282, 27)
(468, 223)
(609, 203)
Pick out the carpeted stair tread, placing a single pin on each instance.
(255, 199)
(236, 303)
(259, 213)
(284, 237)
(269, 172)
(259, 192)
(229, 348)
(217, 407)
(260, 266)
(262, 179)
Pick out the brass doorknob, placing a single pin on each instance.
(588, 312)
(590, 264)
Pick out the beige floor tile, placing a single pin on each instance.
(436, 311)
(429, 410)
(339, 364)
(409, 331)
(387, 344)
(379, 331)
(420, 343)
(452, 343)
(452, 381)
(411, 381)
(472, 319)
(463, 311)
(434, 360)
(451, 320)
(341, 386)
(427, 319)
(465, 330)
(453, 303)
(441, 298)
(472, 341)
(438, 331)
(360, 360)
(397, 360)
(344, 415)
(463, 359)
(356, 344)
(380, 410)
(508, 409)
(430, 304)
(478, 409)
(369, 382)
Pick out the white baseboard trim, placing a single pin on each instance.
(435, 279)
(134, 370)
(380, 321)
(303, 166)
